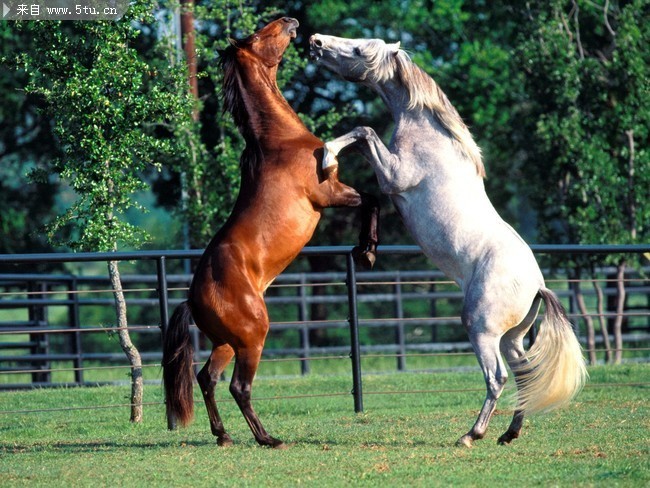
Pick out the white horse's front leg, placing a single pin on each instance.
(391, 176)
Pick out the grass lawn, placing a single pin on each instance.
(405, 437)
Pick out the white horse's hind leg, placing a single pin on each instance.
(512, 347)
(486, 347)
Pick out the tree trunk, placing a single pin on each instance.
(129, 349)
(603, 322)
(620, 309)
(591, 335)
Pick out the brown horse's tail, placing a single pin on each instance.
(554, 369)
(178, 375)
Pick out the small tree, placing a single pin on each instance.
(106, 102)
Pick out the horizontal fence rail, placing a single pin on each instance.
(56, 328)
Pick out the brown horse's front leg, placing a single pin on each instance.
(332, 193)
(365, 254)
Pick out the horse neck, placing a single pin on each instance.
(394, 96)
(269, 115)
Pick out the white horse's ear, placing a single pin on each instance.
(393, 48)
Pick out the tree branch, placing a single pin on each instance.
(631, 195)
(577, 22)
(607, 25)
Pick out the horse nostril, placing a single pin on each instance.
(318, 43)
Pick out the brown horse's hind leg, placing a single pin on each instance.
(246, 362)
(207, 379)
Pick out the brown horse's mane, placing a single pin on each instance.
(233, 102)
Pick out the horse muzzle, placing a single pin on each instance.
(292, 26)
(315, 48)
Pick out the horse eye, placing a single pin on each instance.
(356, 51)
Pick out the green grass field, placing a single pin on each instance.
(405, 437)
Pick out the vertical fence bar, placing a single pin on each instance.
(75, 324)
(353, 319)
(434, 311)
(163, 303)
(162, 295)
(304, 329)
(40, 342)
(399, 330)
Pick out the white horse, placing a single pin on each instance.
(433, 172)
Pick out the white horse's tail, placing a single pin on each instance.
(553, 370)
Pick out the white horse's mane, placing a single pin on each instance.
(384, 63)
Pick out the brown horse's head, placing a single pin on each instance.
(269, 43)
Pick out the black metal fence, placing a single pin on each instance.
(399, 315)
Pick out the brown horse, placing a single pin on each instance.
(284, 190)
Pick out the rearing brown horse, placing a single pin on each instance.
(283, 192)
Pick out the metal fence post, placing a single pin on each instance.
(304, 330)
(353, 319)
(40, 342)
(162, 295)
(164, 314)
(75, 324)
(399, 330)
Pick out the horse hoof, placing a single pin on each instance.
(365, 259)
(506, 439)
(465, 441)
(224, 441)
(276, 444)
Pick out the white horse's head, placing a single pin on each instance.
(352, 59)
(375, 63)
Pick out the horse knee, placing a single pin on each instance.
(364, 132)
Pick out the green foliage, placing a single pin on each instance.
(555, 93)
(106, 103)
(26, 144)
(586, 78)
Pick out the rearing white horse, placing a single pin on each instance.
(433, 172)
